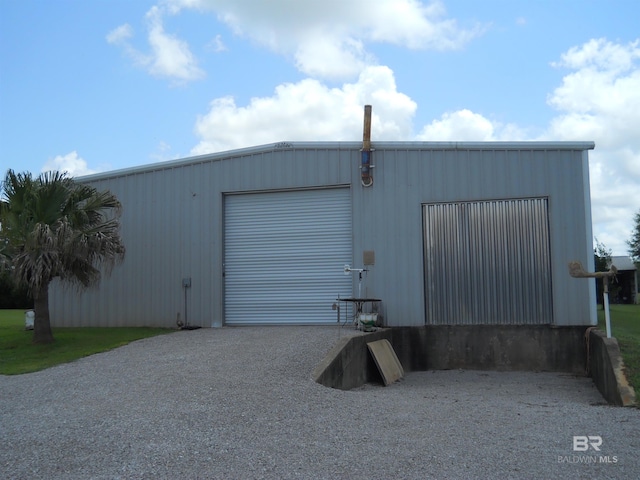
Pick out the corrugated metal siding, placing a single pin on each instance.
(172, 227)
(284, 256)
(172, 223)
(487, 262)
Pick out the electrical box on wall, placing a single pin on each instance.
(186, 282)
(369, 257)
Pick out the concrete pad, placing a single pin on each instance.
(386, 360)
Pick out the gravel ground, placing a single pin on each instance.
(239, 403)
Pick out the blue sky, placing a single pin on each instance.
(88, 86)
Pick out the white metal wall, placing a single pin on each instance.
(284, 256)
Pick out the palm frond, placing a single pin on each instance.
(53, 227)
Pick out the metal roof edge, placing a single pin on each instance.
(623, 263)
(178, 162)
(338, 145)
(495, 145)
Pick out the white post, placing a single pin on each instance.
(605, 294)
(577, 271)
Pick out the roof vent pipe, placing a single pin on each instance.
(365, 164)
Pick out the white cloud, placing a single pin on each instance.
(328, 39)
(413, 24)
(163, 153)
(599, 100)
(465, 125)
(601, 54)
(71, 163)
(120, 35)
(170, 56)
(458, 126)
(217, 45)
(331, 57)
(311, 111)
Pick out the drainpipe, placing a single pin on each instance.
(365, 165)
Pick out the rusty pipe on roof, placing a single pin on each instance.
(365, 164)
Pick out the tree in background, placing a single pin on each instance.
(53, 227)
(602, 261)
(12, 296)
(634, 243)
(601, 257)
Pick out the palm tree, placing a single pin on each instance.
(53, 227)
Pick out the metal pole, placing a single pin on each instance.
(605, 294)
(186, 319)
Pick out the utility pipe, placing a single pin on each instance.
(365, 164)
(576, 270)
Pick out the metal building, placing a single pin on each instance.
(449, 233)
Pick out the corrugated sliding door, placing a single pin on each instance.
(487, 262)
(284, 256)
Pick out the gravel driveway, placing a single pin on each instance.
(239, 403)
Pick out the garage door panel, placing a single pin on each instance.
(288, 248)
(284, 253)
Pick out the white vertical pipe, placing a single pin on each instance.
(605, 294)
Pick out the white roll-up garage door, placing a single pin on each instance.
(284, 256)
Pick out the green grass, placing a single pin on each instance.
(625, 327)
(18, 355)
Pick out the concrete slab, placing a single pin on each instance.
(386, 360)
